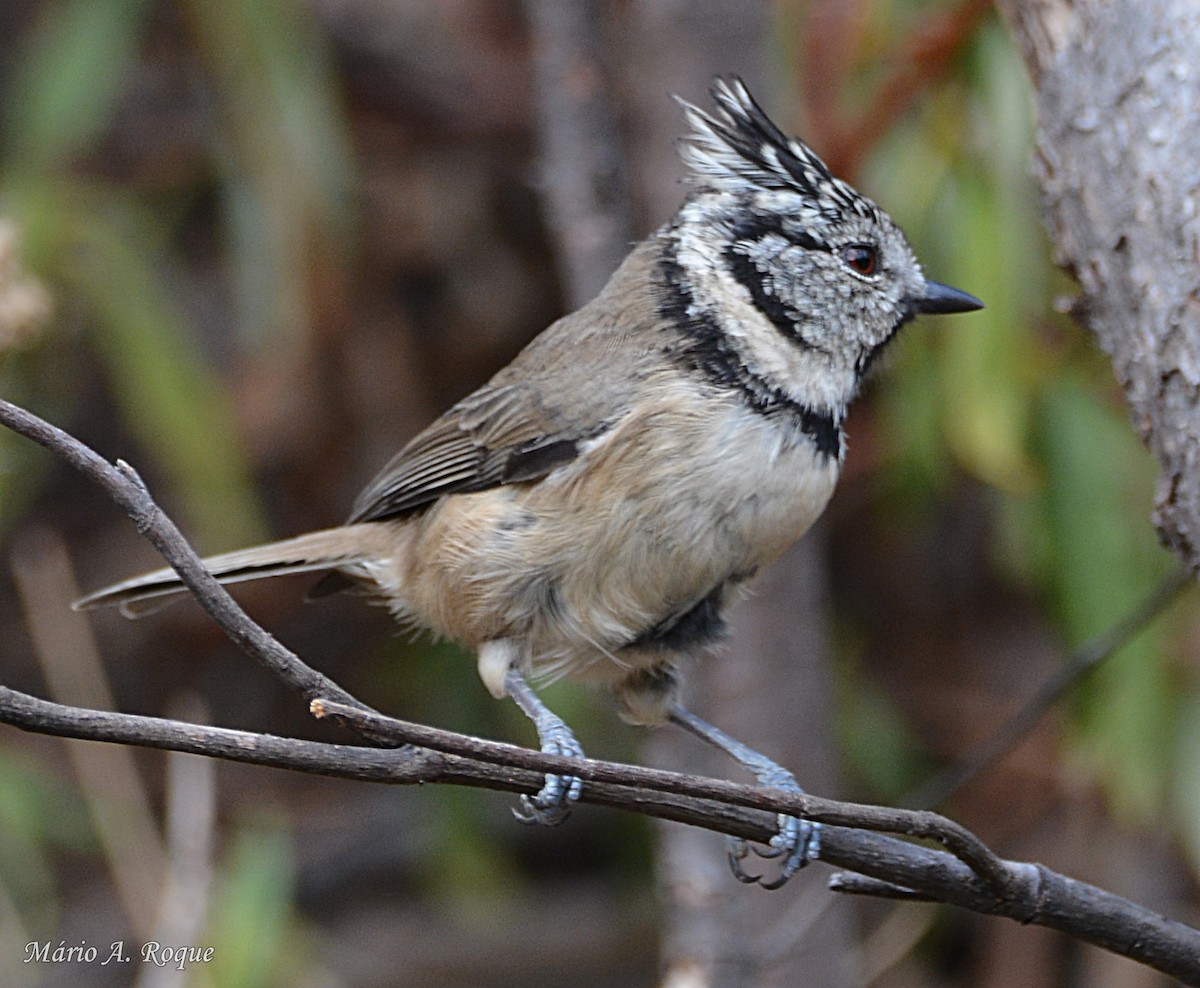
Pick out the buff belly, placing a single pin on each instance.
(581, 568)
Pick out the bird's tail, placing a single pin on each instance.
(324, 550)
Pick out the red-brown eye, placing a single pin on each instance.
(861, 257)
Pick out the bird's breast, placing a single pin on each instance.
(677, 499)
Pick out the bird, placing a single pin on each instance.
(593, 509)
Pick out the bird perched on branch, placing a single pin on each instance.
(593, 509)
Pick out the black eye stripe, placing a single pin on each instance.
(756, 227)
(808, 241)
(765, 300)
(706, 350)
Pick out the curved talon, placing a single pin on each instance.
(778, 883)
(551, 805)
(772, 850)
(800, 856)
(541, 810)
(736, 850)
(797, 841)
(786, 839)
(804, 840)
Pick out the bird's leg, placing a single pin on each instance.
(798, 841)
(552, 804)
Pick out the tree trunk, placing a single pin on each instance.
(1118, 99)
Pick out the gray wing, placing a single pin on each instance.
(573, 382)
(501, 434)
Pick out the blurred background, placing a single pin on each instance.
(253, 246)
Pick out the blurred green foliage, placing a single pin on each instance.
(40, 819)
(1184, 758)
(253, 932)
(280, 161)
(1097, 478)
(283, 160)
(875, 741)
(75, 65)
(1015, 398)
(1021, 400)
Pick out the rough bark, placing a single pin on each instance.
(1118, 98)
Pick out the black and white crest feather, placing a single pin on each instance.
(741, 147)
(788, 280)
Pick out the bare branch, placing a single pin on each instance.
(122, 483)
(912, 823)
(970, 875)
(1078, 665)
(1034, 894)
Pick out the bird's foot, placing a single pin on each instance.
(797, 841)
(552, 804)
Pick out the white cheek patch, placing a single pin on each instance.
(812, 376)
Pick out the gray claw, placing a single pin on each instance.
(800, 840)
(552, 804)
(797, 841)
(548, 808)
(736, 850)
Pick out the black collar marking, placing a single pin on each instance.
(705, 348)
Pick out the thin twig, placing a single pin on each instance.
(122, 483)
(971, 876)
(1037, 895)
(912, 823)
(952, 778)
(861, 885)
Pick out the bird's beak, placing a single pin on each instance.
(941, 299)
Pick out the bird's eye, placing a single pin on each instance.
(861, 257)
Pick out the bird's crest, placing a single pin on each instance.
(740, 148)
